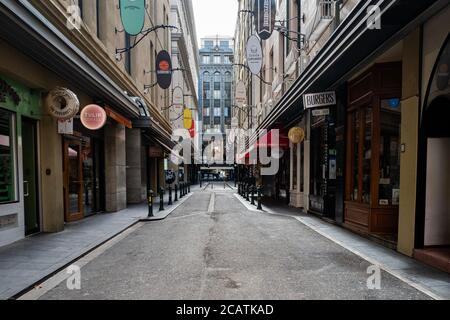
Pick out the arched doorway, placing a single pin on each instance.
(433, 212)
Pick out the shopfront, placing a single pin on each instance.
(322, 162)
(83, 160)
(373, 151)
(432, 243)
(20, 111)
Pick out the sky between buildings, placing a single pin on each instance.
(215, 17)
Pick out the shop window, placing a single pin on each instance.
(7, 158)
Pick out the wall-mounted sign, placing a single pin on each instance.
(241, 94)
(62, 104)
(254, 54)
(164, 69)
(7, 90)
(93, 117)
(319, 99)
(177, 96)
(265, 13)
(187, 118)
(321, 112)
(296, 135)
(65, 126)
(132, 14)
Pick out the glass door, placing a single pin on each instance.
(73, 180)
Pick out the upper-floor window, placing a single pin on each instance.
(224, 44)
(206, 59)
(209, 44)
(217, 59)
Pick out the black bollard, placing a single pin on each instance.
(189, 188)
(253, 195)
(260, 198)
(176, 193)
(239, 188)
(161, 199)
(181, 190)
(170, 196)
(150, 203)
(247, 192)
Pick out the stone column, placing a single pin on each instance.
(115, 168)
(134, 166)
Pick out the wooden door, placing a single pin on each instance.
(73, 181)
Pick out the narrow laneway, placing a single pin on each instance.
(212, 247)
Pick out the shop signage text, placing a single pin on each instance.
(93, 117)
(132, 14)
(265, 13)
(6, 89)
(321, 112)
(164, 69)
(319, 99)
(62, 103)
(241, 94)
(254, 54)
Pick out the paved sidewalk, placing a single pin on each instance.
(415, 273)
(26, 262)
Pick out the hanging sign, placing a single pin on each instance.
(93, 117)
(296, 135)
(265, 14)
(254, 55)
(132, 14)
(177, 96)
(321, 112)
(62, 104)
(241, 94)
(192, 129)
(187, 118)
(319, 99)
(164, 69)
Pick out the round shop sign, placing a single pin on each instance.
(177, 96)
(296, 135)
(93, 117)
(132, 14)
(164, 69)
(62, 104)
(254, 54)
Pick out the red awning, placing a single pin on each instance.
(267, 141)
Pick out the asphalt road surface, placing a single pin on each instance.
(212, 247)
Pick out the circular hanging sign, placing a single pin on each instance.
(296, 135)
(93, 117)
(265, 14)
(177, 96)
(62, 103)
(254, 55)
(164, 69)
(132, 14)
(241, 94)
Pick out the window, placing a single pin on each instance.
(206, 103)
(217, 77)
(7, 157)
(206, 112)
(217, 112)
(217, 94)
(217, 60)
(227, 59)
(216, 103)
(224, 44)
(226, 112)
(205, 59)
(209, 44)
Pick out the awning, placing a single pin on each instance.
(268, 140)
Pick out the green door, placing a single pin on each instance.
(30, 189)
